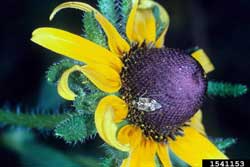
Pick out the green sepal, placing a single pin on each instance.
(113, 156)
(55, 71)
(158, 162)
(226, 89)
(108, 162)
(176, 161)
(88, 95)
(88, 98)
(76, 128)
(160, 26)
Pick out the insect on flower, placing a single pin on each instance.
(146, 104)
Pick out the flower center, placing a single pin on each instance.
(163, 88)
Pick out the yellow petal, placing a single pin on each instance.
(204, 60)
(141, 26)
(193, 147)
(144, 154)
(63, 87)
(104, 77)
(130, 135)
(131, 20)
(142, 150)
(163, 154)
(116, 43)
(105, 114)
(144, 26)
(196, 123)
(75, 47)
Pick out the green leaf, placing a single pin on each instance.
(76, 128)
(107, 8)
(223, 144)
(125, 8)
(226, 89)
(31, 120)
(92, 30)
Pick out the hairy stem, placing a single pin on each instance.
(31, 120)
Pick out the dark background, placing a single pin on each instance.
(222, 28)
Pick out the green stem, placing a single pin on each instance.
(31, 121)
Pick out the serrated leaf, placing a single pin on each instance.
(223, 144)
(76, 128)
(107, 8)
(226, 89)
(125, 7)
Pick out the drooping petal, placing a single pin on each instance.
(162, 18)
(75, 47)
(141, 26)
(204, 60)
(104, 77)
(193, 147)
(116, 43)
(163, 154)
(196, 123)
(63, 86)
(166, 21)
(105, 114)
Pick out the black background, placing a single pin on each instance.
(222, 28)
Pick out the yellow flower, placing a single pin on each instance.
(124, 122)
